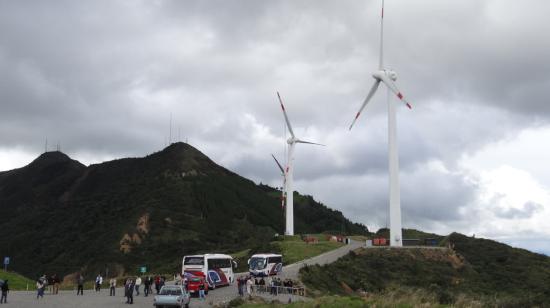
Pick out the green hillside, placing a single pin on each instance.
(476, 269)
(15, 281)
(59, 216)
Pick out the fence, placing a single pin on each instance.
(279, 290)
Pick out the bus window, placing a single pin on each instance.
(193, 261)
(275, 260)
(219, 263)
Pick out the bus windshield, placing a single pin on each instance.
(193, 261)
(257, 263)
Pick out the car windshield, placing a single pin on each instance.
(257, 263)
(170, 291)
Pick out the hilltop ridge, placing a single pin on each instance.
(60, 216)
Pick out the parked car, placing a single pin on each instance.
(172, 296)
(194, 282)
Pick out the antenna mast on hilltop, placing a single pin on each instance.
(170, 136)
(46, 146)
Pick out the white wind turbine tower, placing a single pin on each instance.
(388, 77)
(283, 190)
(292, 141)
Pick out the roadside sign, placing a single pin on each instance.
(143, 269)
(6, 260)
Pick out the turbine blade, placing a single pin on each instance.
(286, 117)
(381, 64)
(278, 164)
(391, 85)
(365, 102)
(308, 142)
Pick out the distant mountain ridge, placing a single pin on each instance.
(59, 216)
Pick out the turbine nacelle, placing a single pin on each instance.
(381, 74)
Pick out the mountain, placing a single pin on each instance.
(471, 272)
(59, 216)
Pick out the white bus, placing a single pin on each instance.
(265, 264)
(216, 268)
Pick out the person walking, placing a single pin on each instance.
(112, 287)
(5, 289)
(138, 283)
(80, 283)
(40, 286)
(98, 282)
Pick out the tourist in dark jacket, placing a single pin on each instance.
(80, 283)
(5, 290)
(146, 286)
(129, 291)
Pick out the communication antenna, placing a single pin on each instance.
(46, 146)
(179, 131)
(170, 137)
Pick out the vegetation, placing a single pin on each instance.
(473, 271)
(295, 249)
(16, 282)
(59, 216)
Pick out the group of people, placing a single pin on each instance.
(247, 285)
(244, 285)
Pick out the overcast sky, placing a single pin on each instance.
(103, 77)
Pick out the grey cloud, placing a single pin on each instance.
(526, 211)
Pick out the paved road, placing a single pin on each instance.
(92, 299)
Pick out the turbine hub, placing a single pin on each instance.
(392, 74)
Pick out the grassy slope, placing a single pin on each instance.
(15, 281)
(294, 249)
(483, 270)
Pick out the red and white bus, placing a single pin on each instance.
(265, 264)
(216, 268)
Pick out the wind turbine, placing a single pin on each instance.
(388, 77)
(292, 141)
(283, 190)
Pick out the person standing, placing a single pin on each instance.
(202, 296)
(98, 282)
(5, 290)
(112, 287)
(146, 285)
(56, 281)
(40, 285)
(157, 283)
(249, 284)
(138, 283)
(80, 283)
(129, 288)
